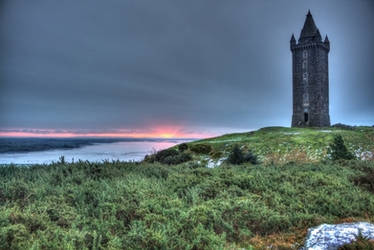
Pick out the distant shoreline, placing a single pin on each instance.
(25, 145)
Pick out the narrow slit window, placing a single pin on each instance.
(305, 54)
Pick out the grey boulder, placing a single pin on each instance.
(331, 237)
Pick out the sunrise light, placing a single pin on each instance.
(167, 132)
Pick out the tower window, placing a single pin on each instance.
(304, 64)
(305, 76)
(305, 54)
(306, 117)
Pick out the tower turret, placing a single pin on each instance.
(310, 77)
(292, 41)
(327, 43)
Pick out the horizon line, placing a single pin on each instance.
(152, 134)
(101, 137)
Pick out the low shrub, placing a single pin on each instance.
(338, 149)
(366, 180)
(177, 159)
(201, 148)
(237, 156)
(169, 157)
(250, 157)
(14, 237)
(150, 158)
(215, 154)
(343, 126)
(182, 147)
(163, 154)
(361, 243)
(154, 206)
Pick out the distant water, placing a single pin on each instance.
(98, 152)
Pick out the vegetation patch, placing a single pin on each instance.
(171, 200)
(169, 156)
(338, 150)
(366, 179)
(361, 243)
(182, 147)
(237, 156)
(201, 148)
(119, 205)
(280, 145)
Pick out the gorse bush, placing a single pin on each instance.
(182, 147)
(366, 180)
(238, 157)
(338, 149)
(169, 157)
(117, 205)
(163, 154)
(361, 243)
(177, 159)
(201, 148)
(250, 157)
(215, 154)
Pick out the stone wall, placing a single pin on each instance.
(310, 84)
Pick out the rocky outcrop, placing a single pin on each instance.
(215, 163)
(331, 237)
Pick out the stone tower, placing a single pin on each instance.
(310, 77)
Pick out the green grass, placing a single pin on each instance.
(136, 206)
(282, 145)
(116, 205)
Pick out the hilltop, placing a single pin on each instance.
(282, 145)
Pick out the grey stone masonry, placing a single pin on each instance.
(310, 77)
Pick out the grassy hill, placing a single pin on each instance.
(117, 205)
(282, 145)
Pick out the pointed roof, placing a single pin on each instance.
(326, 39)
(318, 35)
(310, 30)
(293, 40)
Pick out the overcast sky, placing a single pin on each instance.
(205, 66)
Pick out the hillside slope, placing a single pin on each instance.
(132, 205)
(281, 145)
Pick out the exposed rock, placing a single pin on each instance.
(213, 164)
(362, 154)
(331, 237)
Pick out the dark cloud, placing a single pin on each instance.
(200, 64)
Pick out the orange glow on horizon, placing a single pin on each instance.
(162, 132)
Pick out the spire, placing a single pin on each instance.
(326, 40)
(327, 43)
(293, 40)
(309, 30)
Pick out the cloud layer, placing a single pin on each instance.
(210, 65)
